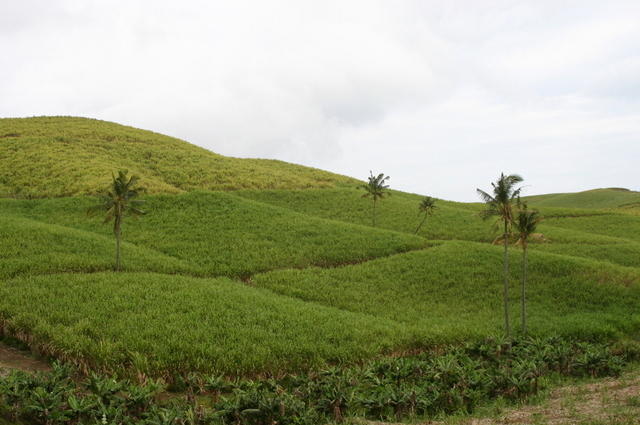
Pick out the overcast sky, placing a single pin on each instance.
(440, 95)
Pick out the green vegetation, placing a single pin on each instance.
(596, 198)
(67, 156)
(269, 279)
(449, 292)
(526, 224)
(376, 189)
(415, 387)
(34, 248)
(615, 224)
(426, 208)
(455, 220)
(158, 324)
(224, 235)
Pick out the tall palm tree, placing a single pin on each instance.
(500, 204)
(119, 202)
(526, 223)
(426, 207)
(376, 189)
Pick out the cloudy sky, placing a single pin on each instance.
(440, 95)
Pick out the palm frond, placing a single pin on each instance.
(501, 202)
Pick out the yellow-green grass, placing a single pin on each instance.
(162, 325)
(31, 247)
(452, 292)
(617, 225)
(399, 211)
(596, 198)
(595, 231)
(625, 253)
(297, 319)
(66, 156)
(218, 233)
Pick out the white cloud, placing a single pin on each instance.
(441, 95)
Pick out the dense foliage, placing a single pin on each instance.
(605, 235)
(221, 234)
(166, 325)
(457, 380)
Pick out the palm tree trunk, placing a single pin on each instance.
(506, 282)
(374, 212)
(116, 230)
(421, 223)
(523, 310)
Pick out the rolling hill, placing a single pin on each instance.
(245, 266)
(67, 156)
(596, 198)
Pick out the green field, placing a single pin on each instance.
(252, 266)
(163, 325)
(219, 234)
(596, 198)
(451, 293)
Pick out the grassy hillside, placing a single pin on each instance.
(32, 247)
(605, 235)
(159, 324)
(452, 292)
(221, 234)
(596, 198)
(399, 212)
(65, 156)
(283, 273)
(295, 319)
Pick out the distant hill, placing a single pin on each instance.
(66, 156)
(597, 198)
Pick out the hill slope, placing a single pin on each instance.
(596, 198)
(66, 156)
(282, 279)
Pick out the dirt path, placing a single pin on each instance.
(12, 358)
(606, 402)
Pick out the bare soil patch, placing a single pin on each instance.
(12, 358)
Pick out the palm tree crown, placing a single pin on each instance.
(526, 224)
(504, 195)
(426, 207)
(376, 189)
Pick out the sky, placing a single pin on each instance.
(442, 96)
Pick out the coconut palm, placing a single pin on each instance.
(426, 207)
(376, 189)
(526, 223)
(500, 204)
(119, 202)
